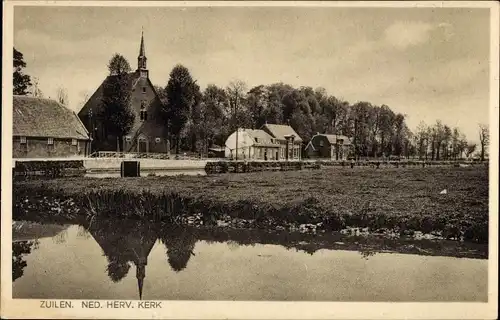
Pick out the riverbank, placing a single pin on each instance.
(393, 200)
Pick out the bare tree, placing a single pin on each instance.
(236, 94)
(36, 92)
(62, 96)
(85, 96)
(484, 138)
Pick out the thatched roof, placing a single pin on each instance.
(38, 117)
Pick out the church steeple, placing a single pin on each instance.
(141, 59)
(140, 274)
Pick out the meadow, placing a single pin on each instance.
(402, 200)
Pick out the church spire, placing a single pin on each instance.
(140, 275)
(141, 59)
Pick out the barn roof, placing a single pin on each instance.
(332, 138)
(38, 117)
(279, 131)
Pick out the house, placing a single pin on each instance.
(252, 144)
(289, 141)
(329, 146)
(271, 142)
(43, 128)
(148, 133)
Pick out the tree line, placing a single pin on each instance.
(197, 120)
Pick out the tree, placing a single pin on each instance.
(21, 81)
(214, 124)
(236, 97)
(36, 92)
(484, 138)
(181, 94)
(118, 65)
(84, 97)
(62, 96)
(117, 114)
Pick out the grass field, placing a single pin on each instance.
(396, 198)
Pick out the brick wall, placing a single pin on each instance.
(38, 148)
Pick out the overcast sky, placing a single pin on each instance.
(426, 63)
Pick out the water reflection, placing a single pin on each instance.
(204, 262)
(179, 243)
(19, 250)
(26, 239)
(123, 244)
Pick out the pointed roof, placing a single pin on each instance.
(39, 117)
(332, 138)
(279, 131)
(142, 51)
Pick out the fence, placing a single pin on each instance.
(140, 155)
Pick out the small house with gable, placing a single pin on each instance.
(43, 128)
(329, 146)
(289, 141)
(252, 144)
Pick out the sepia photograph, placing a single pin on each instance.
(155, 153)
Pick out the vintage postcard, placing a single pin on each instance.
(250, 160)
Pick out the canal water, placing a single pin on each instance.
(137, 260)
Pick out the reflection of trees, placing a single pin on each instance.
(123, 243)
(19, 250)
(180, 244)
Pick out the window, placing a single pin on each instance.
(157, 140)
(128, 139)
(50, 141)
(257, 140)
(73, 142)
(144, 113)
(23, 140)
(340, 141)
(321, 143)
(143, 89)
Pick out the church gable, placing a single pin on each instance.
(146, 106)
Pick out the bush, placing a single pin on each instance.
(49, 169)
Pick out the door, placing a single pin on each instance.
(142, 145)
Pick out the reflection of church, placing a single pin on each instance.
(125, 243)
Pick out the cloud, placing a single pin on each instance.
(405, 34)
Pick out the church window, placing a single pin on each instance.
(144, 113)
(23, 140)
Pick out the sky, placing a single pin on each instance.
(427, 63)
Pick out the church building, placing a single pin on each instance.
(148, 133)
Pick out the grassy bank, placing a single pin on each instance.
(401, 199)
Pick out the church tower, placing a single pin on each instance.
(142, 60)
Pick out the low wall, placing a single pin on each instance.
(115, 164)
